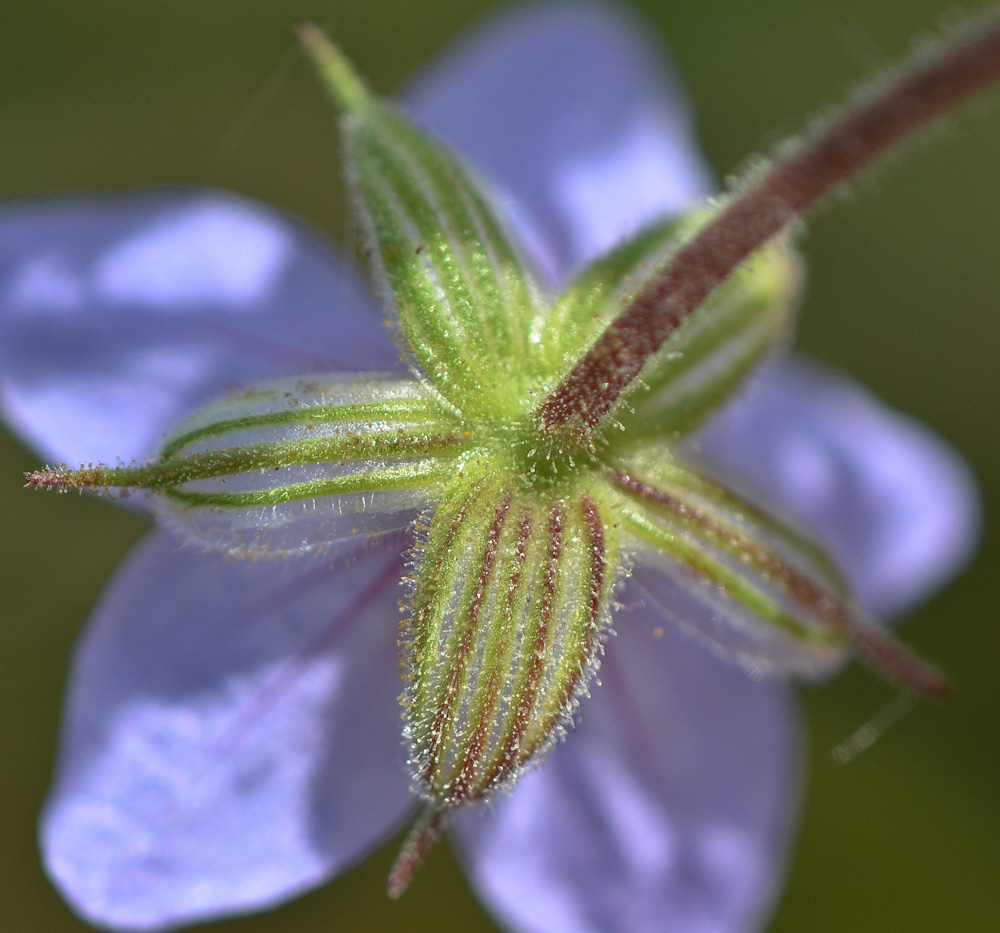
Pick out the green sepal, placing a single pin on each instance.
(295, 465)
(464, 301)
(441, 257)
(704, 364)
(306, 464)
(710, 354)
(601, 291)
(509, 605)
(764, 594)
(748, 584)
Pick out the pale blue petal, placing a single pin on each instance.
(571, 111)
(232, 735)
(669, 808)
(119, 316)
(896, 506)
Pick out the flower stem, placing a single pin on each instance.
(768, 202)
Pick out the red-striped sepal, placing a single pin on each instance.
(509, 606)
(746, 583)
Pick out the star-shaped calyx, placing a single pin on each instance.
(534, 449)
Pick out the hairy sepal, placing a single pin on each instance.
(509, 608)
(752, 588)
(707, 359)
(442, 259)
(303, 465)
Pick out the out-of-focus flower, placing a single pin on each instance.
(232, 727)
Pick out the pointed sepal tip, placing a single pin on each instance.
(425, 832)
(339, 78)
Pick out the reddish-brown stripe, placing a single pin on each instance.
(791, 185)
(881, 649)
(446, 709)
(598, 563)
(430, 580)
(823, 602)
(598, 566)
(511, 756)
(493, 686)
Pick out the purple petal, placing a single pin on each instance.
(895, 504)
(668, 809)
(231, 735)
(569, 109)
(119, 316)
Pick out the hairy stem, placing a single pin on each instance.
(875, 121)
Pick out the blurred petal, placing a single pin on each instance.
(119, 315)
(668, 809)
(232, 735)
(571, 110)
(895, 504)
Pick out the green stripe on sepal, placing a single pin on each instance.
(704, 363)
(730, 578)
(314, 463)
(508, 609)
(296, 465)
(710, 354)
(464, 303)
(602, 290)
(754, 589)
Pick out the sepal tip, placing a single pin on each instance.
(426, 831)
(339, 79)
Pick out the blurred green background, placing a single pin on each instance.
(904, 293)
